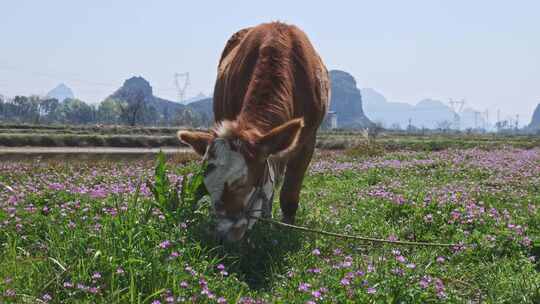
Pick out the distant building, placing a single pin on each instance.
(331, 117)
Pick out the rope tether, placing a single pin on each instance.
(355, 237)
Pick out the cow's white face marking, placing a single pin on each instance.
(226, 166)
(237, 204)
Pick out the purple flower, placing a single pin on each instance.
(96, 275)
(304, 287)
(371, 290)
(98, 193)
(350, 275)
(316, 252)
(165, 244)
(56, 186)
(68, 284)
(246, 300)
(207, 293)
(439, 285)
(345, 282)
(440, 259)
(120, 270)
(46, 297)
(316, 294)
(203, 283)
(184, 284)
(424, 282)
(156, 302)
(441, 294)
(221, 300)
(190, 270)
(220, 267)
(401, 259)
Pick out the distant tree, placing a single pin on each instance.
(49, 110)
(3, 107)
(132, 111)
(26, 109)
(75, 111)
(503, 126)
(109, 111)
(9, 110)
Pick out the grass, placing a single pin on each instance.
(119, 232)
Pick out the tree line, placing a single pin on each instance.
(133, 111)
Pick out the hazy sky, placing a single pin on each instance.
(487, 52)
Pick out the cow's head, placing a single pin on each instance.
(236, 166)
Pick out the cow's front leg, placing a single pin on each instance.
(292, 184)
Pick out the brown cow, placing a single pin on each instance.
(270, 97)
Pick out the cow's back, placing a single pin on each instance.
(270, 74)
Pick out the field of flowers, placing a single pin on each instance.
(95, 232)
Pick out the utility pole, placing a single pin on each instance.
(181, 80)
(476, 119)
(457, 107)
(498, 124)
(486, 120)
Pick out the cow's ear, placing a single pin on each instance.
(281, 139)
(196, 139)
